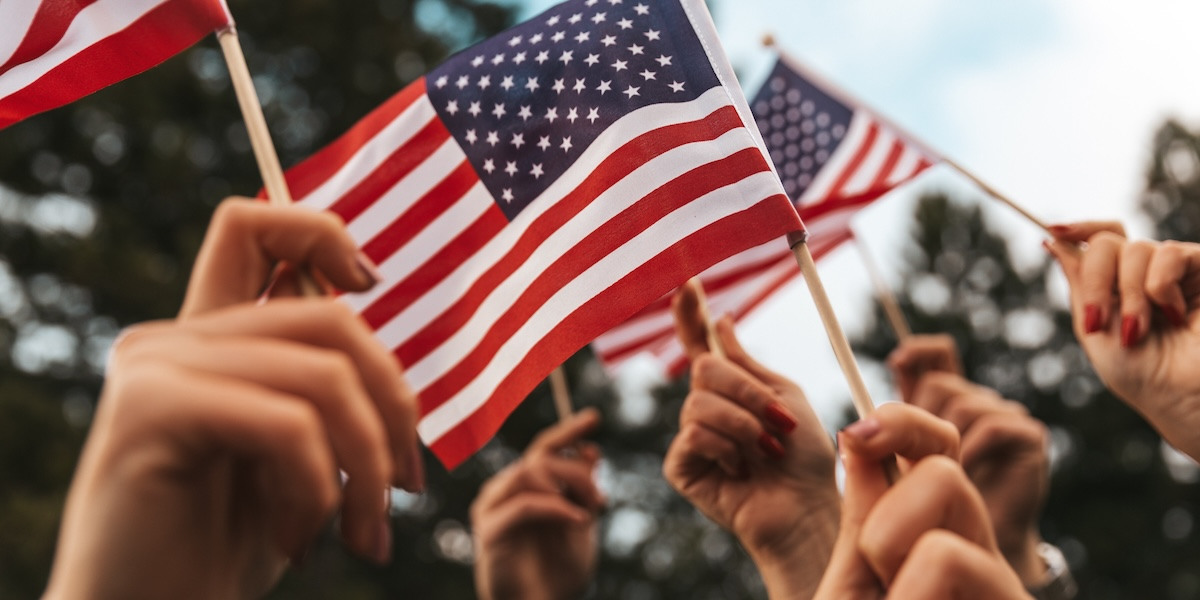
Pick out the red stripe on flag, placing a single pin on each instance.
(424, 211)
(600, 242)
(399, 165)
(885, 171)
(161, 33)
(637, 151)
(704, 248)
(851, 168)
(323, 165)
(438, 267)
(50, 22)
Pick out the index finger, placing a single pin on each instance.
(1081, 231)
(731, 381)
(245, 241)
(564, 434)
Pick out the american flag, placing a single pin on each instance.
(834, 157)
(539, 188)
(53, 52)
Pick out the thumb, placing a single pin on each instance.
(848, 574)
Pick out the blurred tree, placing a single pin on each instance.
(1115, 487)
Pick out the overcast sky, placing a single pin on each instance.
(1053, 103)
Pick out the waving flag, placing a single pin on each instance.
(53, 52)
(538, 189)
(834, 157)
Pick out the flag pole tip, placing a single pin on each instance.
(768, 40)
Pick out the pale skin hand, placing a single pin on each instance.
(216, 445)
(1134, 308)
(535, 521)
(925, 538)
(1004, 453)
(752, 456)
(921, 354)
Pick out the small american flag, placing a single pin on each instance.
(53, 52)
(538, 189)
(834, 157)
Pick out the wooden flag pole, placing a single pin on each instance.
(714, 342)
(837, 338)
(768, 41)
(562, 393)
(891, 307)
(260, 137)
(252, 113)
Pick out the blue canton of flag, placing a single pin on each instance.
(524, 105)
(825, 149)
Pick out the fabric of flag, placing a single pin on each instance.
(539, 188)
(833, 156)
(53, 52)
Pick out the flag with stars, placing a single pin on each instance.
(539, 188)
(834, 157)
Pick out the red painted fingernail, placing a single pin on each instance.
(780, 418)
(863, 429)
(771, 446)
(1059, 230)
(1129, 331)
(1091, 318)
(1174, 317)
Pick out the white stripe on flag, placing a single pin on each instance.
(16, 16)
(856, 135)
(406, 192)
(600, 276)
(429, 242)
(906, 167)
(877, 155)
(373, 154)
(93, 24)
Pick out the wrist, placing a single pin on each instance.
(1023, 557)
(791, 565)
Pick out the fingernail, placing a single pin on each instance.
(863, 429)
(1091, 318)
(416, 471)
(770, 445)
(1129, 331)
(1059, 230)
(368, 268)
(1174, 317)
(383, 543)
(780, 418)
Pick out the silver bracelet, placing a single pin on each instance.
(1058, 583)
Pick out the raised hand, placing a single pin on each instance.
(215, 451)
(1005, 454)
(925, 538)
(921, 354)
(752, 456)
(535, 521)
(1134, 308)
